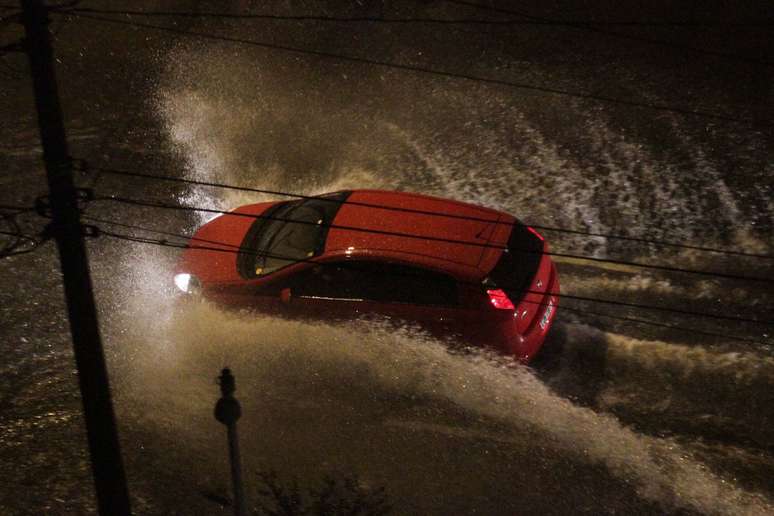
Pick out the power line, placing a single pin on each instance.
(425, 212)
(9, 18)
(372, 19)
(564, 307)
(589, 27)
(715, 274)
(234, 249)
(429, 71)
(304, 18)
(660, 325)
(17, 209)
(13, 248)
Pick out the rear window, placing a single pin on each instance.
(376, 281)
(518, 264)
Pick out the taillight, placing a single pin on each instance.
(500, 300)
(536, 234)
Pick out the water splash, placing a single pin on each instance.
(326, 377)
(236, 121)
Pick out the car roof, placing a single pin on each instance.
(423, 239)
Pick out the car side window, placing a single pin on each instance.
(376, 281)
(318, 281)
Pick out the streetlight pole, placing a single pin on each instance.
(228, 411)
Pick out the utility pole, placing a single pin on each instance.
(107, 465)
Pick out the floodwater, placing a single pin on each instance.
(616, 418)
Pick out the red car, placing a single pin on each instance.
(454, 268)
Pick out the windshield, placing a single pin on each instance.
(289, 232)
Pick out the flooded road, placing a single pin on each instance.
(616, 417)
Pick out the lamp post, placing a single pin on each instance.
(228, 411)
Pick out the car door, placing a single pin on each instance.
(356, 289)
(300, 291)
(325, 292)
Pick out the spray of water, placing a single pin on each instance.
(318, 392)
(325, 381)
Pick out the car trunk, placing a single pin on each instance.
(524, 273)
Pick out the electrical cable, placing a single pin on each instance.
(157, 242)
(234, 249)
(426, 212)
(12, 248)
(449, 21)
(430, 71)
(137, 202)
(660, 325)
(589, 27)
(302, 18)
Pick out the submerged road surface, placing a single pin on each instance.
(568, 127)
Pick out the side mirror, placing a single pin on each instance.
(285, 295)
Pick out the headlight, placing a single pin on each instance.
(187, 283)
